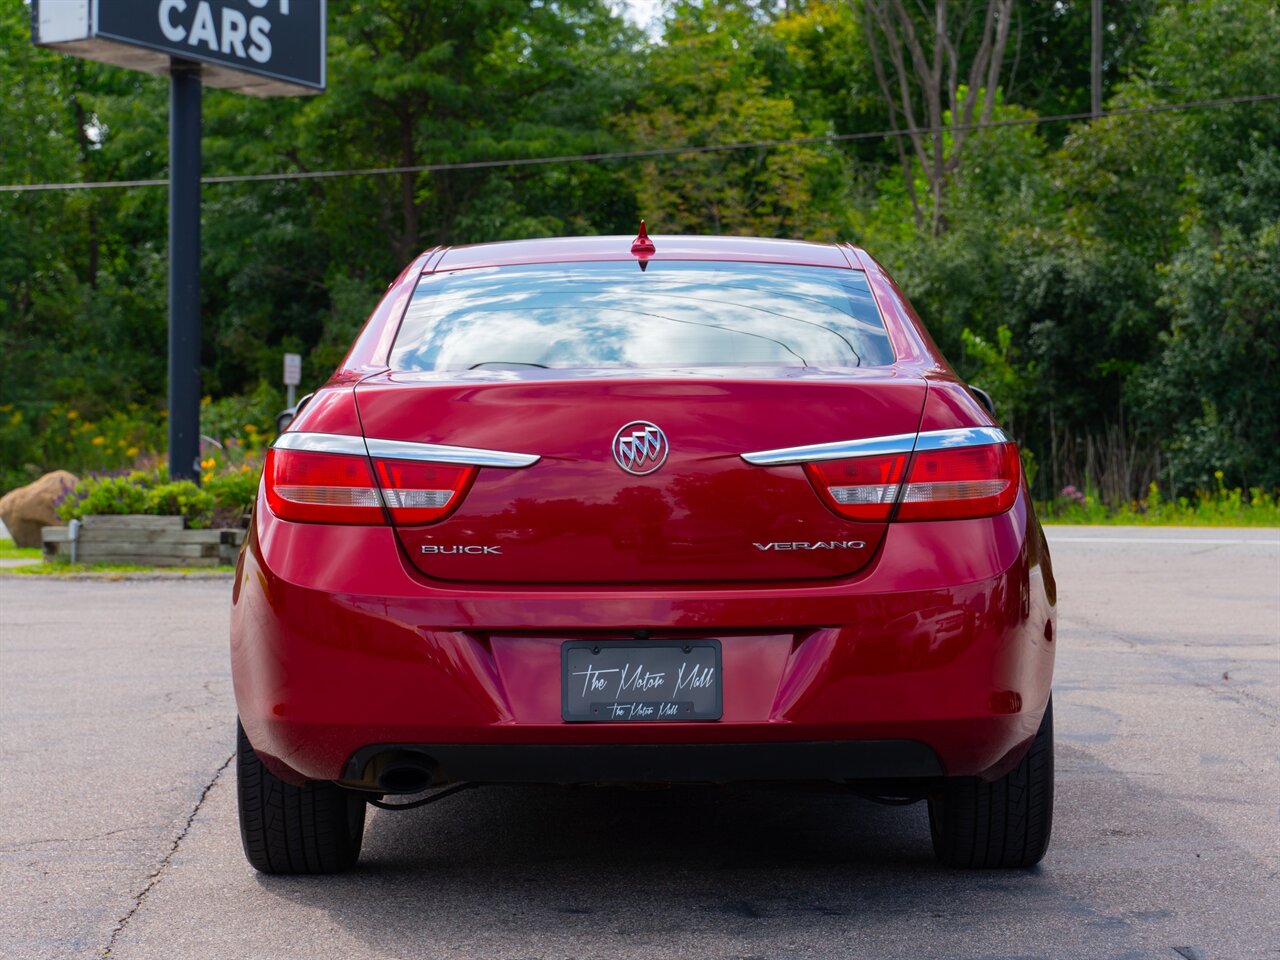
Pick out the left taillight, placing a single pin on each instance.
(313, 487)
(310, 487)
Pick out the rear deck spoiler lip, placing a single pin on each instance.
(403, 450)
(878, 446)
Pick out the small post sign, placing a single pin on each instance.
(266, 48)
(292, 374)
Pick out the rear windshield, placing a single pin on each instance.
(674, 314)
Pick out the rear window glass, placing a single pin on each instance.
(674, 314)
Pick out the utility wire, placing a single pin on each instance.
(655, 152)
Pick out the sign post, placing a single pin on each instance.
(264, 48)
(184, 270)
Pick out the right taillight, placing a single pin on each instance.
(859, 488)
(948, 483)
(956, 483)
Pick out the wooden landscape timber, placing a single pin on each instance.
(143, 540)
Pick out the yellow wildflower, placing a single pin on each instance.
(250, 429)
(1218, 474)
(98, 441)
(131, 452)
(73, 414)
(208, 463)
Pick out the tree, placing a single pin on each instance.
(708, 85)
(935, 80)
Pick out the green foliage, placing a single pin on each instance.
(57, 436)
(707, 85)
(234, 491)
(1217, 506)
(236, 419)
(227, 493)
(138, 492)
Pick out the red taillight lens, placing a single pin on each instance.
(948, 484)
(961, 482)
(417, 492)
(322, 488)
(860, 488)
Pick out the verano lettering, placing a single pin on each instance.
(816, 545)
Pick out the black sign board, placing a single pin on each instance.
(261, 47)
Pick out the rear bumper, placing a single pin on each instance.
(654, 763)
(942, 647)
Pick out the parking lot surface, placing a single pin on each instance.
(119, 830)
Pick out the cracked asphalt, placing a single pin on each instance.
(119, 835)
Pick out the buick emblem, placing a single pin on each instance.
(640, 447)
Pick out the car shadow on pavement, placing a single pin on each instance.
(502, 868)
(777, 872)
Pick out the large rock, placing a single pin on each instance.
(28, 510)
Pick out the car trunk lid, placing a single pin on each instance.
(578, 516)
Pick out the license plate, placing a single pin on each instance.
(626, 681)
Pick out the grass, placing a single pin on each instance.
(11, 551)
(1212, 508)
(8, 551)
(62, 569)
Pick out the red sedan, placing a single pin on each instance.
(680, 509)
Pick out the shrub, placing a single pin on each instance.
(148, 492)
(233, 490)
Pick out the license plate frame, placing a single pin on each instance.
(685, 695)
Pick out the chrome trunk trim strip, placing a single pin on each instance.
(402, 450)
(321, 443)
(869, 447)
(960, 437)
(440, 453)
(878, 446)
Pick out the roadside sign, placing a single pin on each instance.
(292, 369)
(266, 48)
(292, 375)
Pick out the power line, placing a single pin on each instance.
(655, 152)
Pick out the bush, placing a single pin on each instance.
(148, 492)
(233, 491)
(1220, 507)
(251, 414)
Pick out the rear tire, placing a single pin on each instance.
(314, 828)
(1004, 823)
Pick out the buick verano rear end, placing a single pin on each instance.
(669, 510)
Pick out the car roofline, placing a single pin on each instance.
(617, 248)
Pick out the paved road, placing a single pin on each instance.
(119, 826)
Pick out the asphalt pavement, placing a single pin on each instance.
(119, 835)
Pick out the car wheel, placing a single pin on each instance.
(1004, 823)
(314, 828)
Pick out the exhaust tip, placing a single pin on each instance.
(400, 772)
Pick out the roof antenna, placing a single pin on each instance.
(642, 247)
